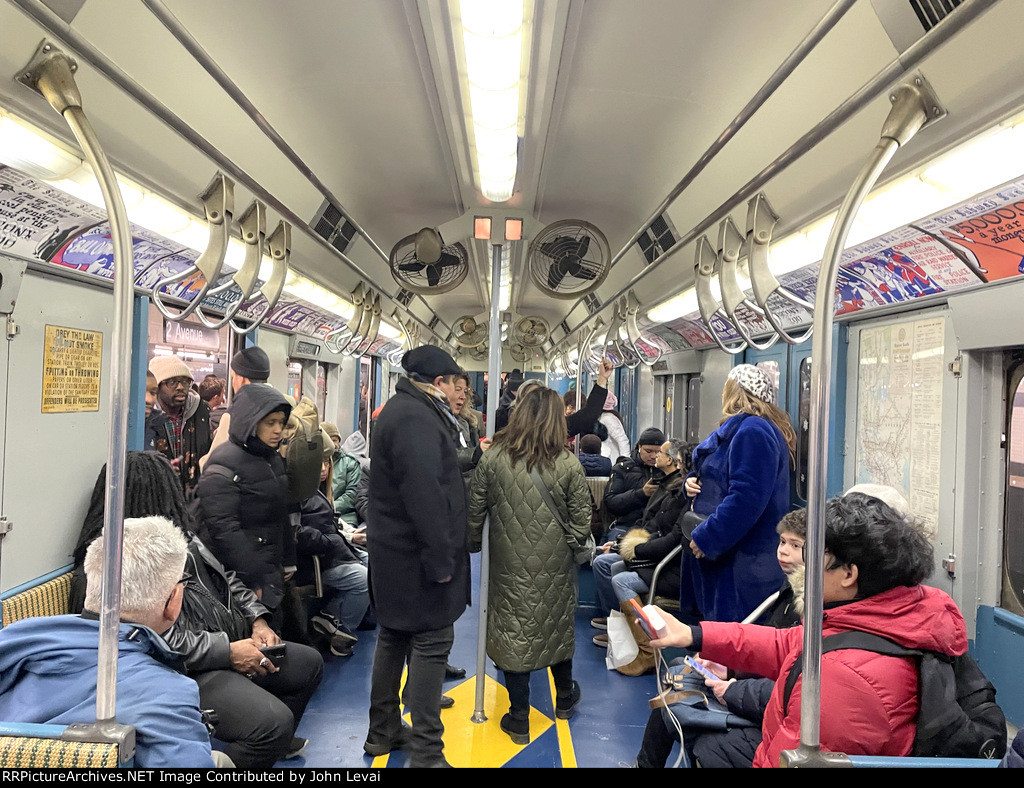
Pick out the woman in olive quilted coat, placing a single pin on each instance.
(532, 596)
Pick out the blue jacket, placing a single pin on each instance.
(596, 465)
(743, 469)
(48, 675)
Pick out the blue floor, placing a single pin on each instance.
(606, 730)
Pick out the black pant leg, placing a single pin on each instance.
(518, 687)
(296, 681)
(388, 662)
(255, 725)
(657, 743)
(562, 675)
(423, 689)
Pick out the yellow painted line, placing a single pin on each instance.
(568, 752)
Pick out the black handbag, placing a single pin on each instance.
(689, 523)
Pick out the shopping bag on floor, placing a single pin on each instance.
(622, 648)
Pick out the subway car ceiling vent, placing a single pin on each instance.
(331, 225)
(660, 236)
(405, 297)
(931, 12)
(905, 21)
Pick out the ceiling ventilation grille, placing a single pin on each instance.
(592, 301)
(330, 224)
(657, 238)
(405, 297)
(931, 12)
(564, 325)
(433, 322)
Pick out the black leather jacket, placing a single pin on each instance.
(216, 610)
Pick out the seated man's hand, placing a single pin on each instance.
(263, 635)
(676, 632)
(719, 688)
(359, 535)
(247, 659)
(717, 668)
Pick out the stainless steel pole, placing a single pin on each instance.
(494, 378)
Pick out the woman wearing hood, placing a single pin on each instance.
(242, 495)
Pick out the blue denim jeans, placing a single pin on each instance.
(346, 592)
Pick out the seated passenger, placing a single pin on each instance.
(626, 575)
(350, 498)
(48, 665)
(631, 483)
(744, 697)
(342, 574)
(594, 463)
(875, 562)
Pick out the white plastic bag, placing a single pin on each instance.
(622, 648)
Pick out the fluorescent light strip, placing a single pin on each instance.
(988, 160)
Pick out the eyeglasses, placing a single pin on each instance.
(830, 565)
(185, 576)
(175, 383)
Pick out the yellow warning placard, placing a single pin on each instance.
(72, 360)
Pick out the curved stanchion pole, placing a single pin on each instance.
(730, 241)
(253, 224)
(52, 74)
(632, 307)
(219, 203)
(909, 113)
(761, 220)
(279, 243)
(705, 267)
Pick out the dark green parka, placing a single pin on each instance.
(532, 598)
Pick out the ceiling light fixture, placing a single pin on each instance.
(492, 53)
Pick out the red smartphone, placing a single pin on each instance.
(645, 622)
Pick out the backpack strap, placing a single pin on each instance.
(846, 640)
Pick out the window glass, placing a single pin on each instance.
(1013, 526)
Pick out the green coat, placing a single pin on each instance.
(532, 597)
(344, 484)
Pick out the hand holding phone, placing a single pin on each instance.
(700, 668)
(275, 653)
(649, 619)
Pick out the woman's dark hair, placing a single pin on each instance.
(569, 398)
(888, 550)
(151, 487)
(685, 453)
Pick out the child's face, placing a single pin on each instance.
(150, 393)
(790, 552)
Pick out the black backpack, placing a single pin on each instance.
(957, 717)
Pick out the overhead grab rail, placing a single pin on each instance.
(372, 330)
(253, 224)
(761, 221)
(280, 244)
(632, 312)
(914, 106)
(706, 266)
(897, 69)
(51, 73)
(347, 331)
(730, 241)
(219, 203)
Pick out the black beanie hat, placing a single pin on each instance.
(652, 436)
(252, 363)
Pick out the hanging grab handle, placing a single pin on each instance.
(761, 221)
(730, 241)
(705, 267)
(372, 331)
(280, 244)
(219, 203)
(632, 307)
(253, 224)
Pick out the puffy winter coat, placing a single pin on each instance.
(868, 701)
(242, 498)
(532, 600)
(743, 468)
(417, 515)
(48, 675)
(596, 465)
(624, 496)
(216, 610)
(318, 535)
(616, 444)
(344, 483)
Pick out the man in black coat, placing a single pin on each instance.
(242, 496)
(419, 565)
(633, 482)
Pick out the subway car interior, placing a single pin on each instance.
(831, 190)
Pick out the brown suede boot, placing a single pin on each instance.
(646, 658)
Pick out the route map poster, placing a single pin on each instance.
(899, 411)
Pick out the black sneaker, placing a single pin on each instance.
(378, 748)
(566, 707)
(324, 623)
(518, 730)
(446, 702)
(340, 647)
(296, 748)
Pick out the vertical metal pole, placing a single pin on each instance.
(908, 114)
(494, 377)
(120, 381)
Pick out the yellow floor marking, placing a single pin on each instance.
(565, 747)
(484, 745)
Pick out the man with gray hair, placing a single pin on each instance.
(48, 665)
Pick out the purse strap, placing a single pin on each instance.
(546, 495)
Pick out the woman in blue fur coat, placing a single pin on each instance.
(740, 480)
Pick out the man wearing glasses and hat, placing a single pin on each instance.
(188, 427)
(419, 566)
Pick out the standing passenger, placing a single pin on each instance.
(250, 365)
(419, 567)
(616, 444)
(189, 438)
(740, 479)
(532, 597)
